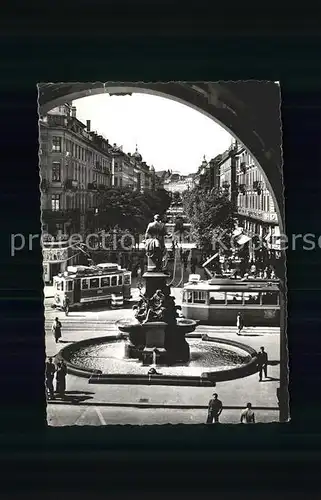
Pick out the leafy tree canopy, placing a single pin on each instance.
(130, 209)
(210, 214)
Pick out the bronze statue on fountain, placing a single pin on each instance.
(157, 334)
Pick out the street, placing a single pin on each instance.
(86, 404)
(64, 415)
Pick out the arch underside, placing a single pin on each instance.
(249, 110)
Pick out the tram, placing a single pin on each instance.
(82, 285)
(217, 301)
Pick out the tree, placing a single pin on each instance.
(131, 210)
(179, 227)
(212, 218)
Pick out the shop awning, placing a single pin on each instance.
(242, 239)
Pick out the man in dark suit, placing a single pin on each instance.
(215, 408)
(262, 362)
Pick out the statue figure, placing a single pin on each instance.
(156, 307)
(155, 242)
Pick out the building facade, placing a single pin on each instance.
(76, 166)
(235, 172)
(174, 182)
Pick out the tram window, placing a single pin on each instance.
(233, 298)
(60, 286)
(217, 298)
(188, 297)
(127, 279)
(105, 281)
(120, 280)
(251, 298)
(199, 297)
(85, 284)
(94, 283)
(270, 298)
(69, 286)
(114, 281)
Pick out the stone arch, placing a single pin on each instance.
(250, 111)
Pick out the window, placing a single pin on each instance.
(70, 286)
(85, 284)
(94, 282)
(55, 202)
(56, 144)
(120, 280)
(60, 286)
(126, 279)
(105, 281)
(199, 297)
(270, 298)
(217, 297)
(234, 298)
(251, 298)
(56, 172)
(114, 281)
(116, 181)
(120, 182)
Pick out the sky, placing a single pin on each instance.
(169, 135)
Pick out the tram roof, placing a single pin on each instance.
(233, 285)
(91, 271)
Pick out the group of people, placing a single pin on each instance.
(58, 373)
(215, 408)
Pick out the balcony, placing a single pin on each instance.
(243, 167)
(71, 184)
(102, 187)
(242, 188)
(92, 186)
(257, 186)
(225, 185)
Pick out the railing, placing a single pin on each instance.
(243, 167)
(257, 186)
(71, 184)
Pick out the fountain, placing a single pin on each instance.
(157, 336)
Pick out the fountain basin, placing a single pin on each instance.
(212, 360)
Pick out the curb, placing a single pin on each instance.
(164, 406)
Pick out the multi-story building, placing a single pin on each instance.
(76, 166)
(236, 173)
(177, 183)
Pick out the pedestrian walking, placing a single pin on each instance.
(61, 374)
(215, 409)
(66, 305)
(239, 323)
(247, 415)
(56, 329)
(262, 362)
(50, 372)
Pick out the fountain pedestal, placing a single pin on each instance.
(154, 349)
(155, 280)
